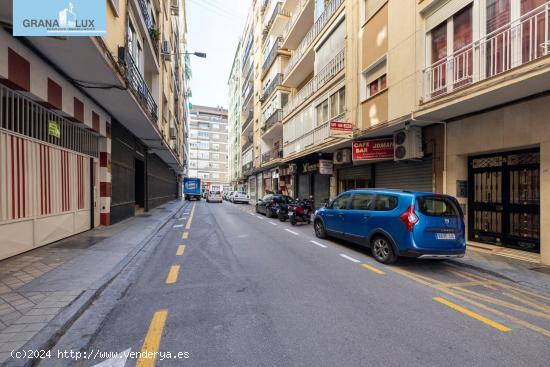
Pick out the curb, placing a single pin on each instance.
(48, 336)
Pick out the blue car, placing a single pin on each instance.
(395, 223)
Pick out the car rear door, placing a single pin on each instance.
(357, 220)
(440, 223)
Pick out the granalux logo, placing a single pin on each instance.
(59, 18)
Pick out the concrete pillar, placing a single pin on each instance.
(545, 202)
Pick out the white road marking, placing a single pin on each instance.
(273, 223)
(291, 231)
(350, 258)
(318, 244)
(178, 226)
(182, 218)
(259, 216)
(252, 214)
(117, 361)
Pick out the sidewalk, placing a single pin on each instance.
(35, 287)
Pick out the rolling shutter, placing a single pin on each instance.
(362, 172)
(406, 175)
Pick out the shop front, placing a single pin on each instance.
(501, 175)
(314, 180)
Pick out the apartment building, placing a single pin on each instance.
(444, 96)
(91, 128)
(234, 124)
(208, 145)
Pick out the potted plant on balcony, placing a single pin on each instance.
(154, 33)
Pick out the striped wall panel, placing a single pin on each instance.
(38, 179)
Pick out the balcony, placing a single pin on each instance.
(317, 82)
(277, 80)
(271, 56)
(276, 117)
(301, 20)
(139, 88)
(248, 121)
(308, 39)
(277, 10)
(515, 44)
(247, 99)
(149, 22)
(247, 80)
(272, 155)
(248, 143)
(310, 139)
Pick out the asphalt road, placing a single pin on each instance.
(251, 291)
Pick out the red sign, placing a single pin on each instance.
(339, 128)
(374, 149)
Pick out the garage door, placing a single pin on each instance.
(405, 175)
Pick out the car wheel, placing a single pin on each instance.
(382, 250)
(319, 228)
(282, 217)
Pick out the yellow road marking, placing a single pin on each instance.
(526, 300)
(185, 235)
(152, 339)
(173, 274)
(190, 220)
(456, 295)
(181, 250)
(373, 269)
(472, 314)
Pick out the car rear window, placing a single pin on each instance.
(438, 206)
(385, 202)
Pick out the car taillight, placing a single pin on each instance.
(409, 218)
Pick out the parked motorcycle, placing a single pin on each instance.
(300, 211)
(282, 211)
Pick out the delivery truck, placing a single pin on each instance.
(192, 188)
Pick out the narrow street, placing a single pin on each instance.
(252, 291)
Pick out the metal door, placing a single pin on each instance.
(504, 199)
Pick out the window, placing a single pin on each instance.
(215, 165)
(385, 202)
(215, 126)
(216, 137)
(202, 165)
(374, 79)
(215, 156)
(322, 112)
(438, 206)
(330, 48)
(203, 134)
(362, 201)
(341, 202)
(370, 8)
(203, 155)
(216, 175)
(215, 146)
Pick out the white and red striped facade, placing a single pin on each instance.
(50, 187)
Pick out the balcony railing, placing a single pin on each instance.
(271, 55)
(246, 80)
(277, 80)
(276, 116)
(247, 99)
(312, 34)
(149, 21)
(247, 144)
(139, 88)
(276, 11)
(248, 120)
(318, 81)
(314, 137)
(515, 44)
(294, 17)
(272, 155)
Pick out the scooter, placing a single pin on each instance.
(300, 212)
(282, 211)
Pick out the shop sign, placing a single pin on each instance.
(292, 168)
(325, 167)
(373, 149)
(341, 129)
(53, 129)
(309, 167)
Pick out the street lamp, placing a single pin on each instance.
(198, 54)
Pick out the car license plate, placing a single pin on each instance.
(445, 236)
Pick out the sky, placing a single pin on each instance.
(214, 27)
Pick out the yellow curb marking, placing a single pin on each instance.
(152, 339)
(373, 269)
(185, 235)
(188, 225)
(472, 314)
(173, 274)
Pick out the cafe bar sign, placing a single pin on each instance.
(372, 149)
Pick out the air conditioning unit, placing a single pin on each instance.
(166, 50)
(342, 156)
(173, 133)
(407, 144)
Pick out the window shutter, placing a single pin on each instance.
(446, 10)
